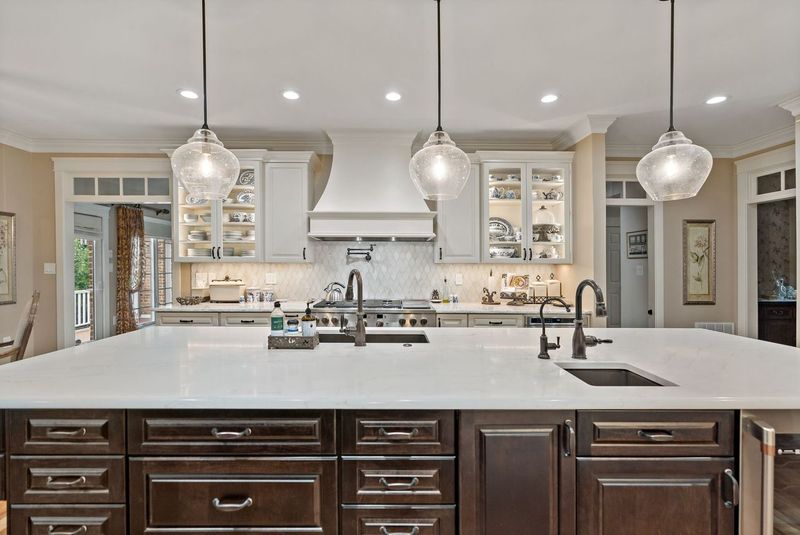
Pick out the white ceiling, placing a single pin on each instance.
(109, 69)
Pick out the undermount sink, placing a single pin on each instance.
(613, 375)
(375, 338)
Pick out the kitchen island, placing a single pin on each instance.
(173, 430)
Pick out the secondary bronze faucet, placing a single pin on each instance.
(359, 332)
(544, 345)
(579, 340)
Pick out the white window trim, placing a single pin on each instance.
(625, 171)
(747, 171)
(65, 170)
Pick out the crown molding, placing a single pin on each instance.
(792, 106)
(154, 146)
(766, 141)
(591, 124)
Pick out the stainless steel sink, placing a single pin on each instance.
(375, 338)
(613, 375)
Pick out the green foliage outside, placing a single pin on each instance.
(81, 265)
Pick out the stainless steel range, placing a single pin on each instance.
(377, 313)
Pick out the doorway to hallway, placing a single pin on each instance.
(629, 275)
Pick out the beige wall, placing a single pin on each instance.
(716, 200)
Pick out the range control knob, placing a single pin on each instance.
(378, 324)
(402, 322)
(326, 321)
(335, 321)
(413, 321)
(423, 321)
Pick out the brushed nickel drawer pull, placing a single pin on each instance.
(231, 435)
(385, 531)
(399, 485)
(232, 507)
(54, 530)
(656, 435)
(66, 433)
(55, 481)
(398, 435)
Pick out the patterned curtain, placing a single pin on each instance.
(130, 264)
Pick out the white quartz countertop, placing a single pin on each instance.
(503, 308)
(287, 306)
(209, 367)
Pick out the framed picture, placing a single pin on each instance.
(8, 260)
(699, 262)
(637, 244)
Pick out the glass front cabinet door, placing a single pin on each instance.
(527, 207)
(226, 230)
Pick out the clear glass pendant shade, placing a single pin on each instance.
(205, 167)
(675, 169)
(439, 169)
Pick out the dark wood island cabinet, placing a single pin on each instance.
(361, 472)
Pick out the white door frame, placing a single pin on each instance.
(65, 170)
(747, 171)
(102, 319)
(625, 171)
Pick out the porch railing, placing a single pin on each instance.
(83, 309)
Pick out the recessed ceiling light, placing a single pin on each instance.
(188, 93)
(547, 99)
(291, 95)
(716, 100)
(393, 96)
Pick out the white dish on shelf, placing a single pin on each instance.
(193, 200)
(190, 218)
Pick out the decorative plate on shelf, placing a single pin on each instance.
(246, 178)
(519, 281)
(246, 197)
(194, 200)
(499, 227)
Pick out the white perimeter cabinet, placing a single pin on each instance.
(516, 208)
(264, 219)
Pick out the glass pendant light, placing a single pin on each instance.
(676, 168)
(439, 169)
(203, 165)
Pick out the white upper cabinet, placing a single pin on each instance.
(289, 196)
(526, 207)
(458, 226)
(223, 231)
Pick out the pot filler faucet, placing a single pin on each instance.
(359, 332)
(579, 340)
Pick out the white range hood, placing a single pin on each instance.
(369, 193)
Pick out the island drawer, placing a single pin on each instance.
(656, 433)
(390, 480)
(398, 432)
(67, 520)
(380, 520)
(67, 480)
(198, 495)
(235, 432)
(187, 319)
(244, 320)
(70, 432)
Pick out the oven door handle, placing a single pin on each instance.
(765, 434)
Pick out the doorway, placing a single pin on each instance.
(90, 239)
(629, 279)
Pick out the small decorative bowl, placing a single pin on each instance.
(191, 300)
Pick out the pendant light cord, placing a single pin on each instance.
(671, 63)
(205, 92)
(439, 60)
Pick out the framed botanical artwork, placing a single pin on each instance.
(637, 244)
(699, 262)
(8, 260)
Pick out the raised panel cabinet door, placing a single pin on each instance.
(286, 217)
(205, 495)
(657, 496)
(458, 226)
(517, 473)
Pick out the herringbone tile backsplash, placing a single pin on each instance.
(397, 270)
